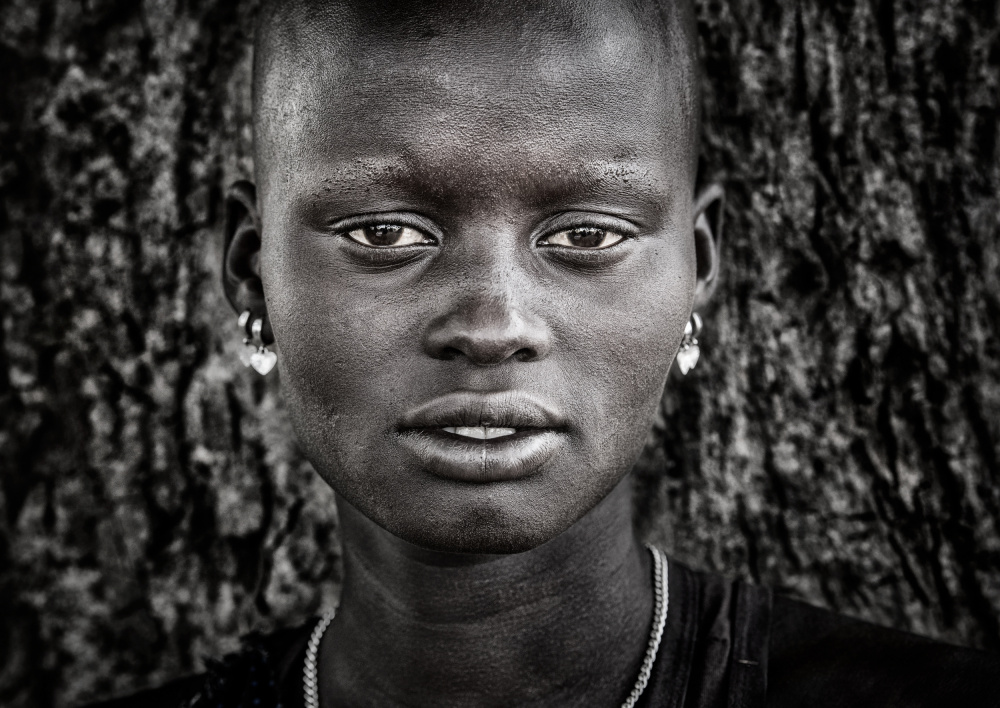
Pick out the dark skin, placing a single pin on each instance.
(475, 244)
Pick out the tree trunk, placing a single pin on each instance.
(839, 439)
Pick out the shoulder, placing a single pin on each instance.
(263, 670)
(821, 659)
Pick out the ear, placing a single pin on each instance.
(708, 217)
(241, 258)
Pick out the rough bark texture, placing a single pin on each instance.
(839, 439)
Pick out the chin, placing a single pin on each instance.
(499, 518)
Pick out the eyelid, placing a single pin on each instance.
(576, 218)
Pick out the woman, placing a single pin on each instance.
(476, 246)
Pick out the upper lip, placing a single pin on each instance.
(504, 409)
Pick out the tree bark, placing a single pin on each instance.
(839, 439)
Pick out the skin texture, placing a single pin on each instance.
(491, 135)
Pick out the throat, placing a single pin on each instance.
(565, 624)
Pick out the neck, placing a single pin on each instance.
(565, 624)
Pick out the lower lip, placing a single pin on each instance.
(472, 460)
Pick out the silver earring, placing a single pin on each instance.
(248, 348)
(255, 353)
(687, 355)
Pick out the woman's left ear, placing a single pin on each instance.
(241, 258)
(708, 221)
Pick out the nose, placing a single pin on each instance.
(488, 330)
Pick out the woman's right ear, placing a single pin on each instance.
(241, 258)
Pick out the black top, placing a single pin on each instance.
(727, 644)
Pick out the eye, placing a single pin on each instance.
(589, 238)
(389, 236)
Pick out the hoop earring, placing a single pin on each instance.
(688, 353)
(255, 353)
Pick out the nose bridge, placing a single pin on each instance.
(494, 288)
(489, 316)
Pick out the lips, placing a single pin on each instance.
(482, 437)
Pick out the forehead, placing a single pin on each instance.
(475, 94)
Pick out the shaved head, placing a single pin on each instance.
(298, 41)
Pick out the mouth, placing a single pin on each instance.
(483, 437)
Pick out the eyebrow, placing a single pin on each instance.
(630, 183)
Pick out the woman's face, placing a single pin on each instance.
(478, 262)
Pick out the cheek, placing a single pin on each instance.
(625, 331)
(342, 357)
(341, 347)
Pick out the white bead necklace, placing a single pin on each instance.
(310, 677)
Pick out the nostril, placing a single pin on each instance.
(487, 336)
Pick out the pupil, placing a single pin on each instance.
(586, 237)
(383, 234)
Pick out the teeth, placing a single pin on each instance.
(481, 432)
(499, 432)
